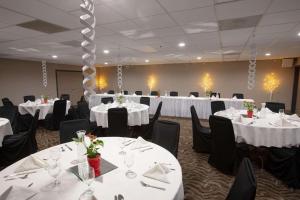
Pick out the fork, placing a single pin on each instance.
(21, 177)
(147, 185)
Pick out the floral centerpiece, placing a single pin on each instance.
(208, 93)
(44, 99)
(120, 98)
(249, 106)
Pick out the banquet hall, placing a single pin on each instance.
(150, 99)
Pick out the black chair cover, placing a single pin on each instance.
(275, 106)
(107, 100)
(72, 114)
(145, 100)
(11, 113)
(68, 129)
(125, 92)
(217, 106)
(29, 98)
(138, 92)
(244, 185)
(238, 95)
(117, 122)
(195, 94)
(154, 93)
(166, 134)
(201, 135)
(111, 92)
(52, 120)
(32, 130)
(7, 102)
(65, 97)
(173, 94)
(215, 94)
(83, 110)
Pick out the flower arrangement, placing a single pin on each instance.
(120, 98)
(208, 93)
(91, 143)
(44, 98)
(249, 105)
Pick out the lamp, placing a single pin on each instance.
(206, 82)
(271, 82)
(151, 82)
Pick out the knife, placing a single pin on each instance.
(69, 147)
(19, 174)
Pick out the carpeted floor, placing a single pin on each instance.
(201, 181)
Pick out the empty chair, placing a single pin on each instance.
(173, 94)
(72, 113)
(138, 92)
(166, 134)
(68, 129)
(154, 93)
(110, 92)
(217, 106)
(65, 97)
(201, 135)
(11, 113)
(29, 98)
(149, 127)
(215, 94)
(125, 92)
(145, 100)
(107, 100)
(117, 122)
(275, 106)
(83, 111)
(244, 185)
(32, 130)
(52, 120)
(7, 102)
(238, 95)
(195, 94)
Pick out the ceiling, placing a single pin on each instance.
(138, 30)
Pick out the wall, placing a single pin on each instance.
(19, 78)
(228, 77)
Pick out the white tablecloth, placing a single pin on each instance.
(108, 185)
(262, 132)
(137, 114)
(45, 108)
(177, 106)
(5, 129)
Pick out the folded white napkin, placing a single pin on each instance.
(244, 120)
(140, 143)
(294, 117)
(282, 123)
(158, 172)
(134, 94)
(234, 97)
(213, 97)
(192, 96)
(56, 99)
(28, 102)
(31, 163)
(17, 193)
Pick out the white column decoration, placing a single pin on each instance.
(120, 77)
(44, 73)
(88, 20)
(252, 67)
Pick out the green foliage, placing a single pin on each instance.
(249, 105)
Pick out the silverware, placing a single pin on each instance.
(19, 177)
(120, 197)
(129, 143)
(62, 149)
(29, 185)
(140, 147)
(69, 147)
(152, 186)
(19, 174)
(143, 150)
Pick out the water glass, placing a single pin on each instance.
(281, 113)
(122, 146)
(129, 161)
(55, 154)
(87, 175)
(54, 170)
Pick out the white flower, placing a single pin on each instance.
(80, 134)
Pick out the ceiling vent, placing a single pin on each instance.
(42, 26)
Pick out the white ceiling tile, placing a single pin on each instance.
(283, 5)
(275, 28)
(280, 18)
(15, 32)
(176, 5)
(239, 9)
(123, 27)
(11, 18)
(200, 27)
(157, 21)
(237, 37)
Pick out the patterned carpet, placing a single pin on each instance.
(200, 180)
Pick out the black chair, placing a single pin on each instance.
(72, 114)
(68, 129)
(11, 113)
(166, 134)
(138, 92)
(154, 93)
(110, 92)
(201, 135)
(173, 94)
(195, 94)
(244, 185)
(32, 130)
(147, 133)
(29, 98)
(65, 97)
(223, 154)
(275, 106)
(107, 100)
(238, 95)
(145, 100)
(7, 102)
(117, 122)
(217, 106)
(83, 111)
(52, 120)
(125, 92)
(215, 94)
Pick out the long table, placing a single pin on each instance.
(177, 106)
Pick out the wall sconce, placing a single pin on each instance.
(271, 83)
(206, 83)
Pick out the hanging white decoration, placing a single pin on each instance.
(120, 77)
(88, 20)
(44, 73)
(252, 67)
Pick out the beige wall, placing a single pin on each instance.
(228, 77)
(19, 78)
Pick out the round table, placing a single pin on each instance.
(45, 108)
(138, 114)
(107, 185)
(5, 129)
(262, 131)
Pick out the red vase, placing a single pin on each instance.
(45, 101)
(249, 114)
(95, 164)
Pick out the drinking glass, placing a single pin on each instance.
(87, 175)
(129, 161)
(281, 113)
(55, 154)
(122, 146)
(54, 170)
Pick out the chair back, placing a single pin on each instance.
(275, 106)
(65, 97)
(223, 149)
(145, 100)
(33, 128)
(195, 94)
(138, 92)
(59, 112)
(238, 95)
(10, 113)
(118, 122)
(157, 112)
(29, 98)
(217, 106)
(215, 94)
(68, 129)
(83, 110)
(7, 102)
(154, 93)
(195, 120)
(110, 92)
(125, 92)
(166, 134)
(244, 185)
(173, 94)
(107, 100)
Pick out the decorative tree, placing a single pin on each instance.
(271, 83)
(151, 82)
(102, 83)
(206, 82)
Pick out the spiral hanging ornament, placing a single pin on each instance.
(88, 20)
(44, 73)
(120, 77)
(252, 68)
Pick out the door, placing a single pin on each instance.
(70, 82)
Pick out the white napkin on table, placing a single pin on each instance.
(294, 117)
(134, 94)
(17, 193)
(234, 97)
(192, 96)
(282, 123)
(158, 172)
(140, 143)
(31, 163)
(244, 120)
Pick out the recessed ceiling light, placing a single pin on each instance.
(146, 60)
(181, 44)
(199, 58)
(106, 63)
(105, 51)
(299, 34)
(267, 54)
(54, 56)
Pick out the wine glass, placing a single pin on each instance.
(129, 161)
(281, 113)
(55, 154)
(54, 170)
(87, 175)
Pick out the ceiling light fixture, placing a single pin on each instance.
(106, 63)
(54, 56)
(267, 54)
(199, 58)
(146, 60)
(181, 44)
(105, 51)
